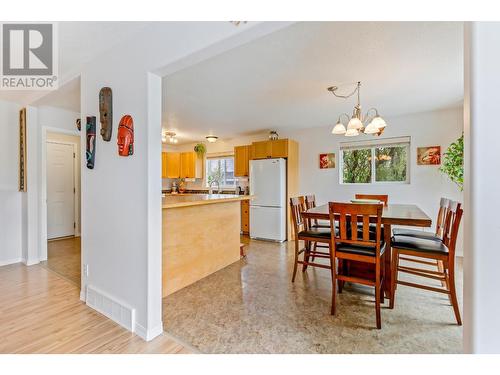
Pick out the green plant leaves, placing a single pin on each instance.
(453, 162)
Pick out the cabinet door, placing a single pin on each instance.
(261, 150)
(173, 162)
(163, 165)
(185, 165)
(245, 217)
(241, 161)
(279, 148)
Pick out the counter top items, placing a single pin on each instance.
(184, 200)
(90, 153)
(106, 112)
(125, 136)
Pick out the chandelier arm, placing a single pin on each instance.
(343, 114)
(367, 116)
(335, 88)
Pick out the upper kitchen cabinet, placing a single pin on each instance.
(171, 164)
(191, 166)
(241, 158)
(270, 149)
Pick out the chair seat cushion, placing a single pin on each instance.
(316, 232)
(320, 225)
(415, 233)
(418, 244)
(359, 250)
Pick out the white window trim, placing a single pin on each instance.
(372, 145)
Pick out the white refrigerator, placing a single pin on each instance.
(268, 207)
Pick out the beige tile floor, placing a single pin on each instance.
(252, 307)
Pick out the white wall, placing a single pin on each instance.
(482, 183)
(11, 200)
(427, 185)
(121, 196)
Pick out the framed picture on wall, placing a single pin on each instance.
(430, 155)
(326, 161)
(22, 149)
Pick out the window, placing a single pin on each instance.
(221, 169)
(369, 162)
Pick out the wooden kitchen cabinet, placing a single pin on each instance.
(241, 158)
(245, 216)
(171, 163)
(191, 166)
(270, 149)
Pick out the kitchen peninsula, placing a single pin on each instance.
(201, 235)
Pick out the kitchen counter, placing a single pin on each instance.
(183, 200)
(201, 235)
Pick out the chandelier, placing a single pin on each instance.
(357, 123)
(169, 136)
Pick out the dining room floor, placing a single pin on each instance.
(251, 306)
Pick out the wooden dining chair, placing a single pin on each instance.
(428, 249)
(352, 246)
(437, 235)
(311, 203)
(384, 198)
(309, 235)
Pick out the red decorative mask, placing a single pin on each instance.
(126, 136)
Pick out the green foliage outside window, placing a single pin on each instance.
(390, 163)
(357, 166)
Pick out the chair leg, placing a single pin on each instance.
(453, 292)
(340, 283)
(296, 261)
(378, 289)
(394, 274)
(314, 249)
(440, 268)
(306, 255)
(334, 279)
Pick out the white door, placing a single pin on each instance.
(60, 190)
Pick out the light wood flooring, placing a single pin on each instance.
(40, 312)
(64, 258)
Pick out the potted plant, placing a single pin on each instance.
(453, 162)
(200, 149)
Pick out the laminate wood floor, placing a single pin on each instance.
(64, 258)
(40, 312)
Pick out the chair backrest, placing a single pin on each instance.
(348, 215)
(297, 206)
(310, 201)
(444, 205)
(452, 224)
(380, 197)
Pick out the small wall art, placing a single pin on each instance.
(430, 155)
(326, 161)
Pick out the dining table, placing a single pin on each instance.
(393, 214)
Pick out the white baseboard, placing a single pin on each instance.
(82, 295)
(10, 261)
(31, 262)
(148, 335)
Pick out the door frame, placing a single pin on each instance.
(43, 193)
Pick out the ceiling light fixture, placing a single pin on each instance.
(356, 122)
(211, 138)
(169, 137)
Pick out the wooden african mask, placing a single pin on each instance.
(125, 139)
(106, 112)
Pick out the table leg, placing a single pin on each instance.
(387, 260)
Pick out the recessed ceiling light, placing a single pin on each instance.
(211, 138)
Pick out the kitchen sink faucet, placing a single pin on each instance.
(210, 187)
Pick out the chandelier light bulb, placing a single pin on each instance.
(379, 122)
(339, 128)
(351, 132)
(354, 123)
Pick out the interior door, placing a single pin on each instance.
(60, 190)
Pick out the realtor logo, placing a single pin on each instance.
(29, 56)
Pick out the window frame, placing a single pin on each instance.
(372, 145)
(219, 157)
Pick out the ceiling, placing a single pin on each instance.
(66, 97)
(279, 81)
(80, 42)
